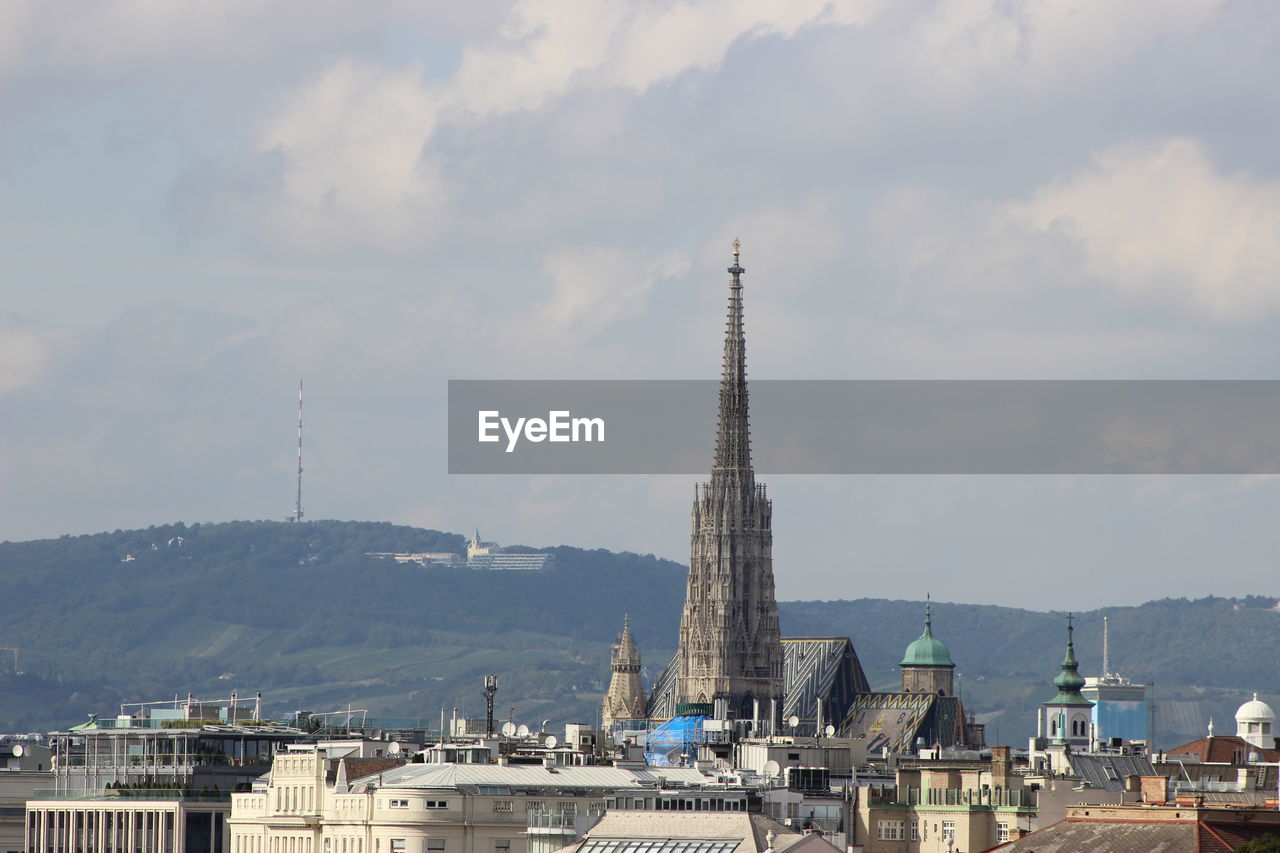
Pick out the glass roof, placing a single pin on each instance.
(658, 845)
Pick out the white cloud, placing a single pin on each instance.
(970, 45)
(593, 288)
(548, 48)
(23, 357)
(1159, 221)
(355, 138)
(106, 38)
(352, 143)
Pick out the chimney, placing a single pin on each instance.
(1000, 764)
(1154, 789)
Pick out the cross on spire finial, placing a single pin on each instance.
(737, 268)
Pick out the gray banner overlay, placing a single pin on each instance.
(870, 427)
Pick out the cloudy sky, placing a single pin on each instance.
(202, 202)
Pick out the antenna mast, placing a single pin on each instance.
(297, 507)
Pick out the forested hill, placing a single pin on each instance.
(301, 612)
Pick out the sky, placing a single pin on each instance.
(202, 203)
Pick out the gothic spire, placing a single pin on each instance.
(730, 653)
(733, 436)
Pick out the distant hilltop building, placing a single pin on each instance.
(481, 556)
(489, 556)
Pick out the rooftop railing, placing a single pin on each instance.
(980, 797)
(153, 794)
(552, 819)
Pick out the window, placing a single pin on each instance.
(397, 845)
(915, 830)
(534, 805)
(502, 805)
(398, 804)
(436, 844)
(948, 831)
(1002, 833)
(436, 804)
(501, 845)
(889, 830)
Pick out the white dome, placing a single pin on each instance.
(1255, 711)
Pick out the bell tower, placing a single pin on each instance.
(625, 699)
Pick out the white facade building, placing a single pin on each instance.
(156, 823)
(311, 803)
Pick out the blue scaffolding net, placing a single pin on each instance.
(675, 742)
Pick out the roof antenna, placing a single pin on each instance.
(297, 507)
(1106, 647)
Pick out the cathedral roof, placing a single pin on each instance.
(927, 650)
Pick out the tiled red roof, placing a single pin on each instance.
(1222, 838)
(1223, 749)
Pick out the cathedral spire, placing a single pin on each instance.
(733, 429)
(730, 652)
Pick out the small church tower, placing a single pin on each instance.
(1068, 714)
(625, 699)
(927, 665)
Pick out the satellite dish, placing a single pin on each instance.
(18, 750)
(793, 721)
(829, 730)
(772, 768)
(393, 748)
(551, 742)
(523, 731)
(508, 729)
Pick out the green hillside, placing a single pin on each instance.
(301, 612)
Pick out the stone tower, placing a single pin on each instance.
(927, 665)
(730, 651)
(625, 699)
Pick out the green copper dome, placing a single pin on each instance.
(1069, 681)
(927, 650)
